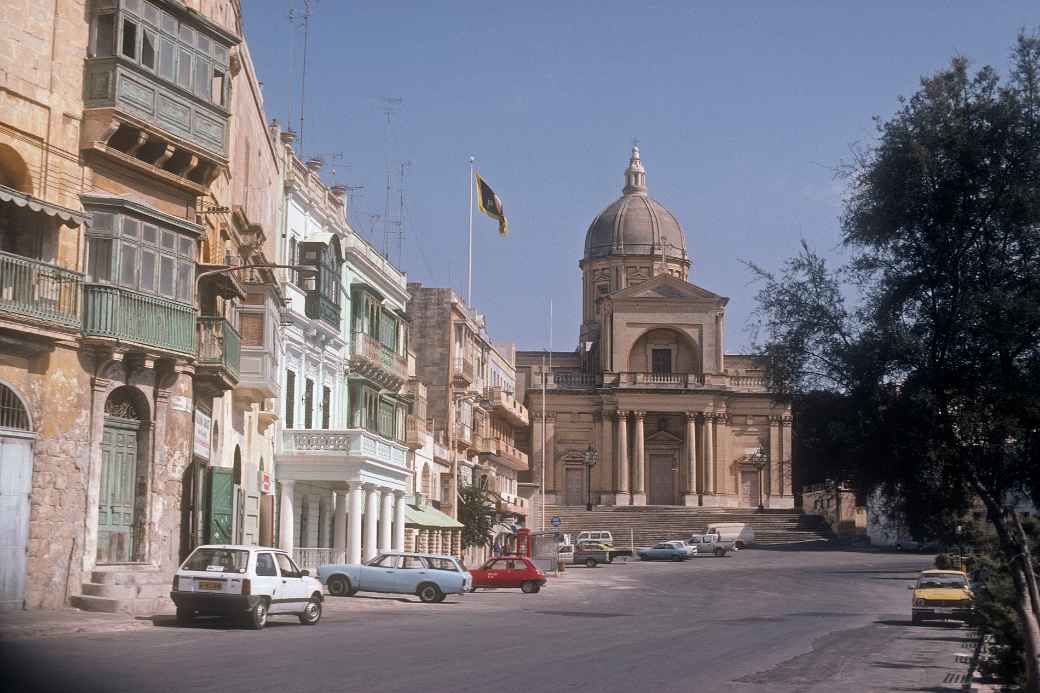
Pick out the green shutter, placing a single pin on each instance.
(221, 505)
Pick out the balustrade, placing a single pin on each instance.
(38, 290)
(131, 316)
(219, 344)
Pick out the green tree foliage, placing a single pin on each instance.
(938, 359)
(477, 515)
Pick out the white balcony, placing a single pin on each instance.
(353, 456)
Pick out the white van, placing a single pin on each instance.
(740, 534)
(596, 537)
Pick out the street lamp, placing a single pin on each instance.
(591, 456)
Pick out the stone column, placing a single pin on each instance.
(623, 496)
(322, 518)
(354, 532)
(785, 457)
(286, 532)
(385, 519)
(638, 461)
(310, 537)
(339, 529)
(774, 457)
(399, 510)
(690, 496)
(608, 481)
(709, 454)
(371, 521)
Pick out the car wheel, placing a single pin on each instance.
(430, 593)
(257, 616)
(677, 557)
(339, 586)
(915, 619)
(739, 545)
(472, 590)
(590, 562)
(530, 587)
(185, 616)
(312, 612)
(717, 552)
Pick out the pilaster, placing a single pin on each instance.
(639, 460)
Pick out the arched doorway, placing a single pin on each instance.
(16, 463)
(124, 470)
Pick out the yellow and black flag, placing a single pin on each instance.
(491, 204)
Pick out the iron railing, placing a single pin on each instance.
(38, 290)
(311, 558)
(219, 344)
(131, 316)
(380, 355)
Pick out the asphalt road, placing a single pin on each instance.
(757, 621)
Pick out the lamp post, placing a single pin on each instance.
(591, 456)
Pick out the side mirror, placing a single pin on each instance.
(304, 573)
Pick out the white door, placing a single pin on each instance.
(15, 484)
(265, 576)
(292, 592)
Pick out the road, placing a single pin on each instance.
(760, 620)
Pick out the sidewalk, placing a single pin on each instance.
(50, 623)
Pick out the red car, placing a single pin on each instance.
(509, 571)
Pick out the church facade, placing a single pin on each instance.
(670, 417)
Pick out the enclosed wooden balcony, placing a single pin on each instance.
(39, 291)
(376, 361)
(217, 366)
(415, 432)
(503, 404)
(121, 315)
(504, 453)
(463, 371)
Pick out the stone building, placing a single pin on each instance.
(471, 404)
(673, 419)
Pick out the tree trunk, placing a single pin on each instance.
(1027, 553)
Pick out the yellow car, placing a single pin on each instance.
(941, 595)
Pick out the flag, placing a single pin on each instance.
(491, 205)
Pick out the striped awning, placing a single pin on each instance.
(68, 217)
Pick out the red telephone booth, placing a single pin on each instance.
(523, 542)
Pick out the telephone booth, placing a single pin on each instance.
(523, 542)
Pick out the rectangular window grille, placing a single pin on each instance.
(326, 407)
(308, 404)
(290, 399)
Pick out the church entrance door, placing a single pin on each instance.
(662, 479)
(575, 486)
(750, 484)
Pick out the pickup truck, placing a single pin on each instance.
(588, 555)
(711, 544)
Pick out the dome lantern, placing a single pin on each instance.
(635, 174)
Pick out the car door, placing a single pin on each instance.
(266, 580)
(292, 593)
(480, 574)
(381, 575)
(496, 573)
(411, 572)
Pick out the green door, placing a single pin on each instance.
(116, 504)
(221, 505)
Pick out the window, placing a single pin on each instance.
(217, 93)
(290, 399)
(661, 360)
(326, 406)
(202, 79)
(286, 565)
(308, 404)
(148, 49)
(385, 561)
(218, 560)
(104, 35)
(101, 259)
(184, 69)
(130, 39)
(412, 563)
(443, 564)
(386, 419)
(265, 565)
(167, 60)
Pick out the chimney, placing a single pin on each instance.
(289, 136)
(315, 163)
(338, 191)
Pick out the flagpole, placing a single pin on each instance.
(541, 477)
(469, 270)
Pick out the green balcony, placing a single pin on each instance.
(39, 291)
(133, 317)
(220, 347)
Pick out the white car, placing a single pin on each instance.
(690, 550)
(600, 536)
(245, 582)
(742, 535)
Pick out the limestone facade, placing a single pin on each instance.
(672, 418)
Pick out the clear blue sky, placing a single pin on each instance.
(742, 114)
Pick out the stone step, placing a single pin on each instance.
(101, 604)
(111, 591)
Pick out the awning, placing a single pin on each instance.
(68, 217)
(429, 517)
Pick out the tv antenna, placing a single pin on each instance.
(391, 107)
(296, 20)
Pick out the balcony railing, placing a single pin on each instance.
(504, 453)
(575, 380)
(464, 369)
(512, 505)
(333, 445)
(131, 316)
(414, 431)
(506, 405)
(380, 356)
(37, 290)
(219, 345)
(463, 433)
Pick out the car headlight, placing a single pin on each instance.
(919, 602)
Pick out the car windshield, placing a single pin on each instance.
(940, 581)
(218, 560)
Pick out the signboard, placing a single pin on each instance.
(180, 403)
(555, 521)
(202, 426)
(265, 482)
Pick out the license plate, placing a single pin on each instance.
(210, 585)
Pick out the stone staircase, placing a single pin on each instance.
(136, 590)
(653, 523)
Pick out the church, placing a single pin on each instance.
(650, 397)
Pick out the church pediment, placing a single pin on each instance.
(663, 439)
(666, 287)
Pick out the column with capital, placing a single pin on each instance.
(339, 527)
(638, 461)
(690, 496)
(371, 521)
(286, 532)
(385, 518)
(623, 496)
(709, 456)
(357, 501)
(774, 459)
(398, 541)
(785, 458)
(608, 482)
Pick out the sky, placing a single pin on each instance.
(744, 112)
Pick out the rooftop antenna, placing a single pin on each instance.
(400, 214)
(303, 75)
(391, 106)
(352, 193)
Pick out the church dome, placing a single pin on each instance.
(635, 224)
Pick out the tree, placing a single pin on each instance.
(477, 515)
(939, 355)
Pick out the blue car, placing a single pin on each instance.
(662, 552)
(427, 576)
